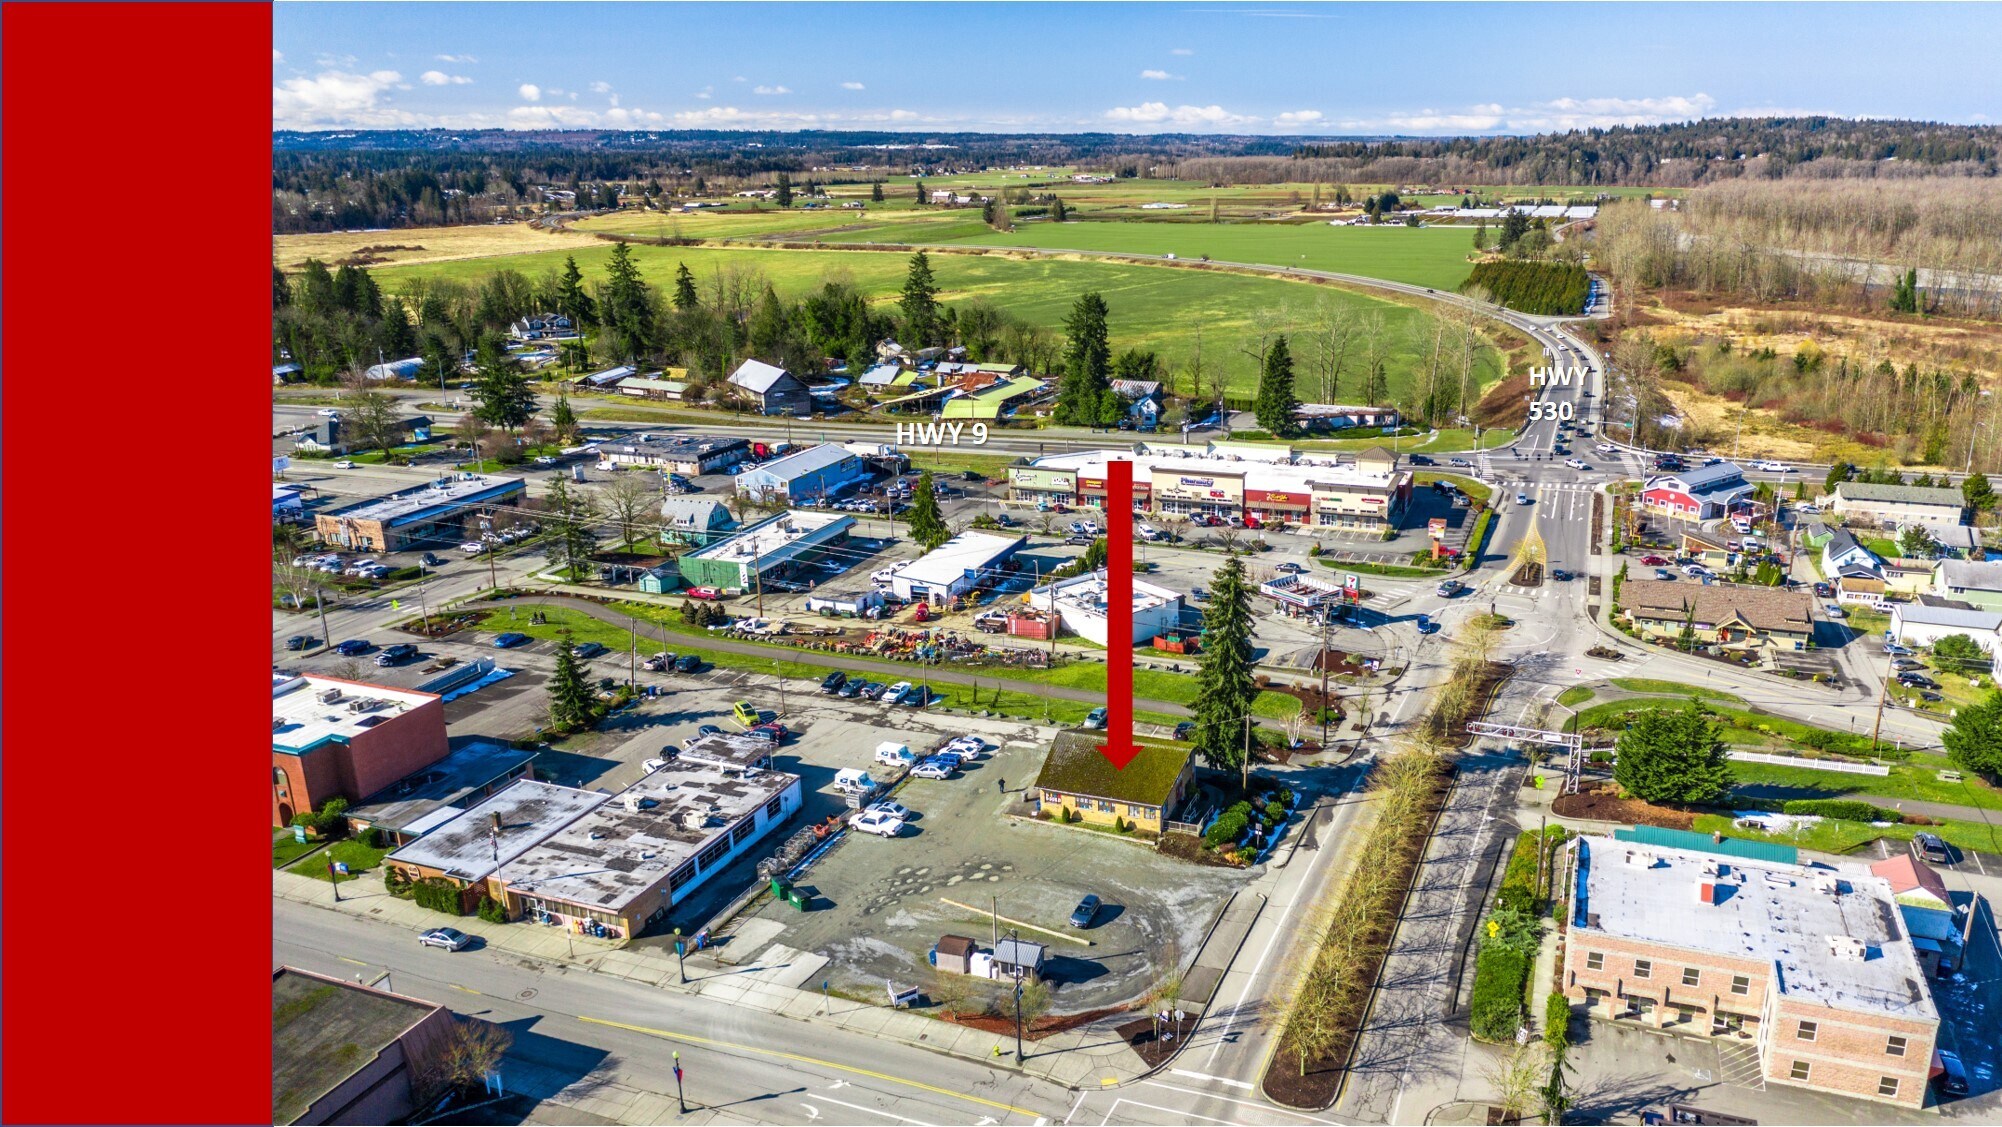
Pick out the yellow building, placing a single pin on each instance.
(1084, 784)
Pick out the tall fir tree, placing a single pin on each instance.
(567, 519)
(684, 288)
(1224, 688)
(876, 192)
(281, 290)
(571, 704)
(1087, 365)
(926, 522)
(627, 304)
(572, 299)
(501, 393)
(1673, 755)
(1276, 404)
(784, 196)
(920, 303)
(562, 418)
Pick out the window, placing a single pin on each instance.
(1799, 1071)
(1807, 1030)
(1895, 1046)
(1887, 1086)
(1643, 968)
(713, 852)
(1691, 976)
(775, 807)
(681, 876)
(1595, 960)
(1740, 984)
(744, 830)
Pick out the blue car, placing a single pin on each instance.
(509, 639)
(352, 647)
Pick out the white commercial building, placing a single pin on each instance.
(1916, 625)
(967, 561)
(1080, 602)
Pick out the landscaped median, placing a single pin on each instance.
(1510, 937)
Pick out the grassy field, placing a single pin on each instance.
(1162, 309)
(1916, 781)
(1834, 836)
(359, 859)
(1574, 696)
(1467, 485)
(284, 850)
(1435, 257)
(1674, 688)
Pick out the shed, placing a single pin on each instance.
(954, 953)
(1019, 958)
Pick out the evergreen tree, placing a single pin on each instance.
(501, 390)
(628, 304)
(1673, 755)
(1837, 474)
(1224, 688)
(987, 211)
(926, 524)
(1087, 364)
(1276, 404)
(1059, 213)
(684, 288)
(1979, 494)
(921, 193)
(1905, 293)
(571, 299)
(397, 336)
(571, 704)
(562, 419)
(920, 303)
(567, 518)
(876, 192)
(785, 190)
(281, 290)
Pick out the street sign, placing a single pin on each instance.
(341, 867)
(299, 834)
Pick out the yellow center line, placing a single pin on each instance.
(467, 989)
(689, 1038)
(345, 959)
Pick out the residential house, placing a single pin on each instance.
(1084, 784)
(1855, 583)
(1894, 506)
(1918, 625)
(773, 390)
(1907, 578)
(1928, 911)
(1843, 550)
(1143, 401)
(1701, 494)
(1730, 616)
(542, 326)
(696, 521)
(1970, 582)
(669, 385)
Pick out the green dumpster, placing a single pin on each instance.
(796, 898)
(780, 887)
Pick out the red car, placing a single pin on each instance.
(1654, 561)
(772, 733)
(705, 592)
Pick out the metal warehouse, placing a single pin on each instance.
(774, 548)
(818, 471)
(967, 561)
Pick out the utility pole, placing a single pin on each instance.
(1325, 626)
(326, 636)
(1883, 696)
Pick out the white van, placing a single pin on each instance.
(893, 754)
(1149, 532)
(1741, 524)
(852, 781)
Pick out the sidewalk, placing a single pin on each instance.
(1089, 1057)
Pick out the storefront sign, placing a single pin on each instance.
(1287, 500)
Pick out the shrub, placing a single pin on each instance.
(1499, 977)
(1847, 809)
(373, 837)
(1274, 811)
(396, 881)
(1314, 549)
(329, 820)
(491, 910)
(1557, 1021)
(437, 894)
(1600, 758)
(1229, 826)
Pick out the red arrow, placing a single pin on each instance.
(1118, 746)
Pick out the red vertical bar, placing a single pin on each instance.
(137, 237)
(1118, 744)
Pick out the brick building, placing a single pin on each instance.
(427, 514)
(346, 1053)
(346, 739)
(1813, 965)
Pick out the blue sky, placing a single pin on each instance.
(1257, 67)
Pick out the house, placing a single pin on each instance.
(1892, 506)
(1855, 583)
(423, 514)
(1730, 616)
(880, 376)
(1928, 911)
(968, 561)
(1143, 400)
(1843, 550)
(1708, 550)
(1084, 784)
(542, 326)
(1810, 967)
(671, 385)
(1907, 578)
(686, 454)
(695, 521)
(1956, 540)
(813, 473)
(332, 738)
(773, 390)
(1019, 958)
(405, 369)
(1977, 583)
(342, 1052)
(1920, 625)
(1701, 494)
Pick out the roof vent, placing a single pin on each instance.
(632, 803)
(329, 696)
(1827, 886)
(1847, 948)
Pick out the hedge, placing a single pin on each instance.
(1557, 1021)
(1229, 826)
(437, 894)
(1847, 809)
(1500, 974)
(1543, 288)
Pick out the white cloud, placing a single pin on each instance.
(601, 88)
(579, 117)
(1557, 115)
(731, 117)
(706, 93)
(1182, 51)
(455, 58)
(852, 86)
(530, 92)
(440, 78)
(1160, 113)
(771, 90)
(277, 56)
(1158, 75)
(738, 78)
(1294, 118)
(336, 97)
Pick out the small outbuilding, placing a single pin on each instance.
(954, 953)
(1019, 958)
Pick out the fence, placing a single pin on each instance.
(1812, 764)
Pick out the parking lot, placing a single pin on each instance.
(878, 905)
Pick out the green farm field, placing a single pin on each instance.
(1158, 308)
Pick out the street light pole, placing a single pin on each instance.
(680, 1101)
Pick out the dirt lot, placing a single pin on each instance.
(425, 244)
(880, 904)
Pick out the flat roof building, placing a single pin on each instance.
(1811, 963)
(342, 1052)
(344, 739)
(967, 561)
(1259, 483)
(774, 548)
(425, 514)
(626, 863)
(817, 471)
(416, 804)
(675, 453)
(1080, 602)
(1899, 505)
(486, 837)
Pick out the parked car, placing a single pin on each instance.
(509, 640)
(302, 642)
(1930, 697)
(1290, 568)
(874, 690)
(894, 809)
(396, 654)
(1087, 910)
(1654, 561)
(895, 693)
(851, 689)
(1823, 591)
(919, 697)
(705, 593)
(969, 747)
(832, 683)
(878, 822)
(431, 559)
(450, 938)
(1952, 1074)
(1903, 664)
(1835, 611)
(1095, 718)
(708, 730)
(688, 663)
(1185, 729)
(934, 769)
(344, 464)
(1917, 681)
(353, 647)
(771, 731)
(1895, 648)
(584, 651)
(1931, 847)
(1663, 573)
(473, 547)
(1198, 594)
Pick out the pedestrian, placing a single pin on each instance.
(1001, 784)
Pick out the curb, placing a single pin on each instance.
(1171, 1058)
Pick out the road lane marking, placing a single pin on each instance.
(1211, 1079)
(870, 1110)
(1185, 1115)
(467, 989)
(345, 959)
(692, 1039)
(1265, 1107)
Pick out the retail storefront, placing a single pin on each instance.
(1042, 487)
(1274, 507)
(1091, 492)
(1207, 494)
(1357, 507)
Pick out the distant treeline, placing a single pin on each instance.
(1546, 289)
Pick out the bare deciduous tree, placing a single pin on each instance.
(628, 501)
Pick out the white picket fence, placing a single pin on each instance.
(1812, 764)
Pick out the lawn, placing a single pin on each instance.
(1869, 623)
(1388, 571)
(1673, 688)
(1831, 835)
(1155, 308)
(1467, 485)
(285, 850)
(1917, 781)
(1753, 731)
(1435, 257)
(1574, 696)
(359, 859)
